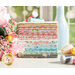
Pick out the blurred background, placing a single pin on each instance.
(48, 13)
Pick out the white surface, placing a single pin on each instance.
(37, 63)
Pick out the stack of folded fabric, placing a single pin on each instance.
(39, 39)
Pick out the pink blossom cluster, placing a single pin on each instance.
(4, 44)
(8, 28)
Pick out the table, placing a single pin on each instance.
(37, 63)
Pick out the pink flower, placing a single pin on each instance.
(4, 16)
(3, 10)
(16, 48)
